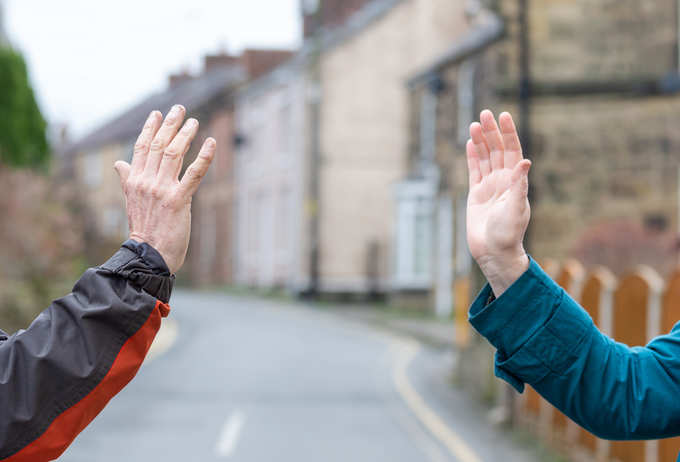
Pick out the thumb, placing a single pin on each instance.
(520, 179)
(123, 170)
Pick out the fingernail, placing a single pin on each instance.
(211, 143)
(150, 119)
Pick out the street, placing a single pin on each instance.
(253, 379)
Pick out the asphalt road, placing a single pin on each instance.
(259, 380)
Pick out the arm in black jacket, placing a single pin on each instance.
(57, 375)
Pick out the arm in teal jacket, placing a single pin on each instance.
(545, 339)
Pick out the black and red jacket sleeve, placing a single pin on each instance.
(57, 375)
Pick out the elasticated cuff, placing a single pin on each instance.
(143, 266)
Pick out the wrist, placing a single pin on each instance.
(503, 270)
(158, 248)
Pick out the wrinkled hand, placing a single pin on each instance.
(158, 204)
(498, 207)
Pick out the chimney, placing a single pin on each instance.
(211, 62)
(259, 62)
(319, 14)
(179, 78)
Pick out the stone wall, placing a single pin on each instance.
(601, 40)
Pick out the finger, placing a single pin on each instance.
(174, 153)
(513, 147)
(198, 168)
(520, 179)
(482, 150)
(163, 138)
(475, 173)
(123, 170)
(493, 139)
(143, 144)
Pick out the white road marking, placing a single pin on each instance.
(405, 353)
(231, 431)
(165, 338)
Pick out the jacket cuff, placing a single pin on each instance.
(144, 267)
(534, 325)
(551, 350)
(510, 320)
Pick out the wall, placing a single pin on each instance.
(100, 183)
(211, 256)
(270, 179)
(364, 134)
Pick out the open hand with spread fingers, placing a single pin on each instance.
(498, 208)
(159, 203)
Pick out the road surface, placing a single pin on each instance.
(259, 380)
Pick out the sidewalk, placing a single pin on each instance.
(438, 333)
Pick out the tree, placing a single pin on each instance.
(23, 138)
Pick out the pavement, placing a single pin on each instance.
(252, 379)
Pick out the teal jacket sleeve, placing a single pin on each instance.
(545, 339)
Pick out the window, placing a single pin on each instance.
(466, 99)
(413, 244)
(92, 168)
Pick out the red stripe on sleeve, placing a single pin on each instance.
(66, 427)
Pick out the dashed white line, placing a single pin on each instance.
(229, 436)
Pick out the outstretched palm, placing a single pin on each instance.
(498, 208)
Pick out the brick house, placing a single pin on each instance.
(207, 97)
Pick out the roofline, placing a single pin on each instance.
(331, 37)
(325, 39)
(84, 144)
(480, 38)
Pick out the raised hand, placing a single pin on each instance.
(158, 203)
(498, 209)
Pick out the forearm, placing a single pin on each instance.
(61, 372)
(545, 339)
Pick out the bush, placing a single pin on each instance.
(41, 245)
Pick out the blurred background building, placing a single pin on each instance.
(341, 168)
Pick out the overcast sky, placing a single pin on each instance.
(89, 60)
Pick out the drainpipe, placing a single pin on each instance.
(677, 36)
(525, 97)
(314, 153)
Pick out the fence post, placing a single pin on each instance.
(530, 402)
(670, 315)
(597, 299)
(570, 279)
(636, 320)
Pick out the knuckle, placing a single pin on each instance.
(141, 146)
(157, 191)
(195, 174)
(137, 187)
(171, 153)
(174, 201)
(157, 144)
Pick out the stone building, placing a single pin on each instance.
(597, 107)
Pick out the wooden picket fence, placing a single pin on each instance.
(632, 310)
